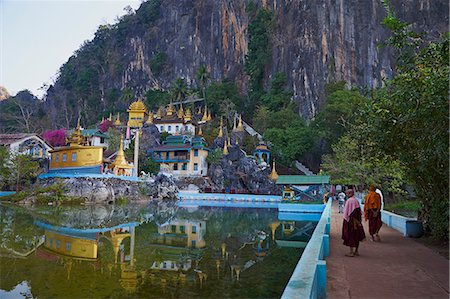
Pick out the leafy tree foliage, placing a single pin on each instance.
(155, 98)
(179, 89)
(277, 97)
(22, 170)
(202, 77)
(158, 62)
(219, 92)
(105, 125)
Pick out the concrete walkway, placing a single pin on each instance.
(396, 267)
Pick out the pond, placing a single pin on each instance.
(147, 251)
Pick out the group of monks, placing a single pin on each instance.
(352, 229)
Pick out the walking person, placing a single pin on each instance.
(372, 213)
(341, 201)
(352, 229)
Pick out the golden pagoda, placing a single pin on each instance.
(110, 116)
(188, 115)
(116, 239)
(209, 116)
(76, 138)
(117, 122)
(205, 115)
(229, 141)
(240, 127)
(170, 110)
(220, 129)
(159, 113)
(103, 119)
(200, 132)
(150, 118)
(234, 124)
(225, 148)
(120, 165)
(180, 112)
(136, 113)
(274, 175)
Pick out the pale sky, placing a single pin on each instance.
(37, 37)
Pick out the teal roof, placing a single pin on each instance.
(303, 179)
(91, 132)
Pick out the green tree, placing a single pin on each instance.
(214, 157)
(277, 97)
(219, 92)
(179, 89)
(4, 170)
(22, 169)
(202, 77)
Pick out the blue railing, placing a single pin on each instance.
(89, 175)
(6, 193)
(309, 279)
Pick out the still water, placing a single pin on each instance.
(147, 251)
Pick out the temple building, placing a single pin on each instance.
(175, 122)
(136, 114)
(95, 137)
(182, 155)
(26, 144)
(78, 156)
(262, 153)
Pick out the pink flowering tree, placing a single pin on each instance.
(105, 125)
(55, 137)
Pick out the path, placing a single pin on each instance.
(399, 267)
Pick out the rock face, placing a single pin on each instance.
(312, 42)
(161, 187)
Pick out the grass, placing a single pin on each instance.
(407, 208)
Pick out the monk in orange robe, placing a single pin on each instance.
(372, 212)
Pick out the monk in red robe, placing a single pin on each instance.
(372, 212)
(352, 229)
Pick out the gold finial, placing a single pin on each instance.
(209, 115)
(225, 148)
(120, 162)
(220, 128)
(170, 110)
(150, 118)
(236, 141)
(117, 122)
(188, 115)
(240, 127)
(103, 119)
(200, 132)
(234, 124)
(159, 113)
(181, 112)
(229, 141)
(273, 175)
(110, 117)
(205, 115)
(78, 123)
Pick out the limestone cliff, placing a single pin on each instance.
(312, 42)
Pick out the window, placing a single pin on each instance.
(51, 243)
(161, 128)
(64, 158)
(102, 139)
(184, 167)
(174, 228)
(186, 128)
(177, 128)
(74, 157)
(164, 265)
(182, 229)
(172, 265)
(196, 153)
(169, 128)
(68, 246)
(195, 166)
(194, 229)
(175, 166)
(57, 158)
(193, 243)
(58, 244)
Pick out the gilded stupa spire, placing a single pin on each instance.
(209, 115)
(170, 110)
(150, 118)
(234, 124)
(205, 115)
(188, 115)
(181, 112)
(273, 175)
(240, 127)
(110, 116)
(220, 128)
(120, 161)
(117, 122)
(159, 113)
(229, 141)
(200, 132)
(225, 148)
(76, 138)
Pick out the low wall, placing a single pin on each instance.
(410, 227)
(309, 277)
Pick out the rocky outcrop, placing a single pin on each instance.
(239, 172)
(312, 42)
(110, 190)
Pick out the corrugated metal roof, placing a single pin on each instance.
(303, 179)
